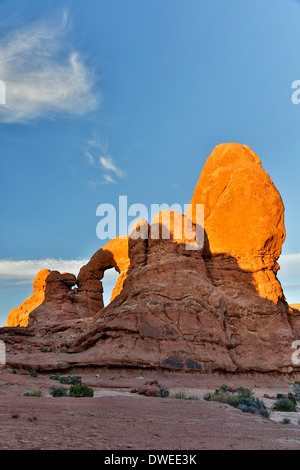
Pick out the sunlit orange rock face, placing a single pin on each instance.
(52, 299)
(19, 316)
(182, 305)
(243, 217)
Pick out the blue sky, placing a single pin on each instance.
(109, 98)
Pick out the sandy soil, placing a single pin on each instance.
(115, 419)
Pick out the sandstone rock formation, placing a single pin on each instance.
(113, 255)
(243, 217)
(179, 304)
(19, 315)
(53, 299)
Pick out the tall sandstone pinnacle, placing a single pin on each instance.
(243, 216)
(217, 308)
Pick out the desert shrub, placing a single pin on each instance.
(223, 388)
(55, 377)
(71, 379)
(252, 405)
(163, 392)
(34, 393)
(78, 391)
(296, 390)
(223, 397)
(284, 404)
(183, 396)
(286, 421)
(292, 397)
(243, 392)
(240, 398)
(179, 395)
(33, 373)
(59, 391)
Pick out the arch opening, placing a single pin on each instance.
(109, 281)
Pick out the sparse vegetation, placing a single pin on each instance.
(78, 391)
(183, 396)
(33, 373)
(59, 391)
(71, 379)
(55, 377)
(178, 395)
(34, 393)
(163, 392)
(241, 398)
(286, 421)
(296, 390)
(284, 404)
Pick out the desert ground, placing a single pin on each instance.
(116, 419)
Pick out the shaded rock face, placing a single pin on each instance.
(171, 314)
(113, 255)
(219, 307)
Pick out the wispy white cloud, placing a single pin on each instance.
(26, 270)
(108, 179)
(43, 75)
(90, 158)
(104, 162)
(108, 163)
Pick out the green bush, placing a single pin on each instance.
(284, 404)
(35, 393)
(78, 391)
(286, 421)
(296, 390)
(240, 398)
(59, 391)
(243, 392)
(72, 379)
(223, 397)
(183, 396)
(163, 392)
(252, 405)
(179, 395)
(33, 373)
(55, 377)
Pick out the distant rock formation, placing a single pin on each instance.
(19, 315)
(217, 308)
(53, 299)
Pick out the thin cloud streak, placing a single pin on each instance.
(108, 164)
(24, 271)
(28, 269)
